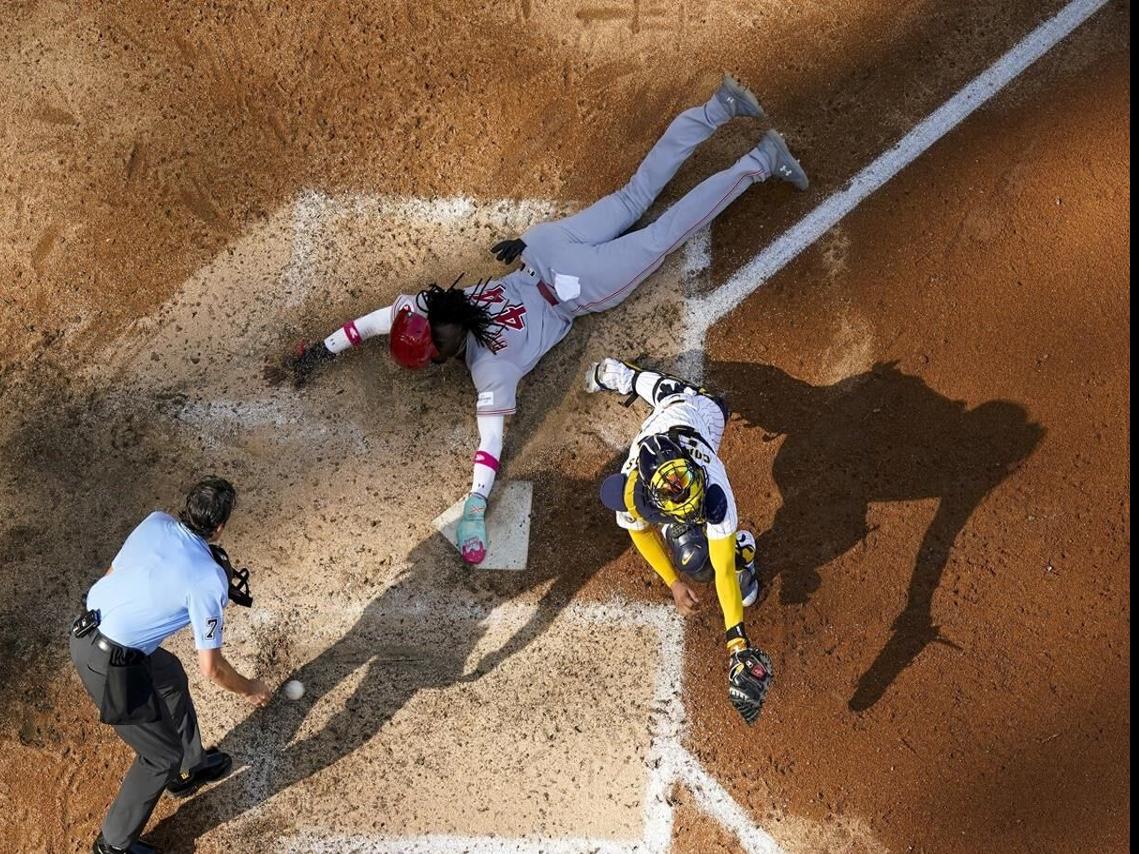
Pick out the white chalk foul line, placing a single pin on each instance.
(705, 311)
(667, 762)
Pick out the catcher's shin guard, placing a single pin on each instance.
(472, 530)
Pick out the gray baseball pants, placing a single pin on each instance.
(162, 749)
(593, 245)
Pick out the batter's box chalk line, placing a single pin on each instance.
(668, 761)
(667, 764)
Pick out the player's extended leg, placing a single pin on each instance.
(611, 271)
(616, 213)
(654, 387)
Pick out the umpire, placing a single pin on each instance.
(166, 576)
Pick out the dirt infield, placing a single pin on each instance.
(931, 429)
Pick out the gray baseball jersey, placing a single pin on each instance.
(592, 246)
(527, 327)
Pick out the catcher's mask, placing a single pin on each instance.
(410, 339)
(239, 593)
(673, 483)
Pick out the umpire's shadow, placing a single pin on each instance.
(882, 435)
(397, 642)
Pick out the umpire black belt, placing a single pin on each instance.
(99, 639)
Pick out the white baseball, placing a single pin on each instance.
(294, 690)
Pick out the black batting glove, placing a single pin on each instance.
(507, 251)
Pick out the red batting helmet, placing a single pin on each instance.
(410, 339)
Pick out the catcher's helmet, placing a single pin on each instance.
(410, 339)
(672, 481)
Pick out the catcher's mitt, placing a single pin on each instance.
(749, 677)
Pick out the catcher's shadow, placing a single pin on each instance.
(878, 436)
(396, 641)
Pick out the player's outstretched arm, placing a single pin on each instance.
(749, 669)
(310, 356)
(355, 332)
(723, 555)
(472, 536)
(492, 428)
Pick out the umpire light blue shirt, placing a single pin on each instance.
(162, 580)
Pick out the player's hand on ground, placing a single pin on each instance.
(306, 360)
(471, 535)
(259, 694)
(687, 602)
(507, 251)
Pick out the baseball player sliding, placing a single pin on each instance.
(578, 265)
(673, 497)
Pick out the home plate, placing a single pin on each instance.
(507, 525)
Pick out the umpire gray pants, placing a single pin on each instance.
(162, 749)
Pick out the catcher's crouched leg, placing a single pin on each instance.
(472, 530)
(749, 678)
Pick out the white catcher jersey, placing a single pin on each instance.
(704, 416)
(526, 328)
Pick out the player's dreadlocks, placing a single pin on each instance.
(452, 305)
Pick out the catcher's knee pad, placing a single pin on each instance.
(667, 385)
(688, 547)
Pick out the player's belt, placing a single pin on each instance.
(547, 293)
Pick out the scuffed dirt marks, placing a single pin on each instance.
(79, 470)
(398, 645)
(411, 698)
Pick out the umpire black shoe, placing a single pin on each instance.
(102, 846)
(215, 766)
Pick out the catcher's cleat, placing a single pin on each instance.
(472, 530)
(215, 766)
(783, 165)
(749, 585)
(737, 99)
(749, 678)
(610, 375)
(102, 846)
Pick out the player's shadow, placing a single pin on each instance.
(883, 435)
(416, 634)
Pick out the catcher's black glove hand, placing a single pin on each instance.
(749, 677)
(306, 360)
(507, 251)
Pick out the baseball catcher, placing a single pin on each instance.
(582, 264)
(673, 497)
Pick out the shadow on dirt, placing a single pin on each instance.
(78, 472)
(402, 649)
(878, 436)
